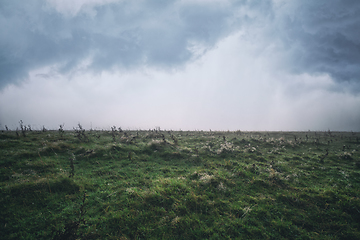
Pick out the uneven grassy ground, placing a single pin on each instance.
(179, 185)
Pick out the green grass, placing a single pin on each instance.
(193, 185)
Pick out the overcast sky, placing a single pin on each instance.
(181, 64)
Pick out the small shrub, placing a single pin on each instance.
(80, 134)
(61, 130)
(71, 228)
(23, 128)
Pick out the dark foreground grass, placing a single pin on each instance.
(179, 185)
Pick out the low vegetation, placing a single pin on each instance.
(122, 184)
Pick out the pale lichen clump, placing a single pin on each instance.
(221, 186)
(155, 142)
(205, 178)
(227, 146)
(130, 190)
(175, 220)
(186, 149)
(345, 155)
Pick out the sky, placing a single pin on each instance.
(249, 65)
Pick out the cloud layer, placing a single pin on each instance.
(123, 34)
(308, 36)
(318, 37)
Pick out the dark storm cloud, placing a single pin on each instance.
(121, 34)
(321, 37)
(313, 37)
(33, 38)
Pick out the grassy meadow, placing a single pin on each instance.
(155, 184)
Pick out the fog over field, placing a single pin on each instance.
(181, 64)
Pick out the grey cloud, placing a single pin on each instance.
(320, 37)
(123, 34)
(33, 39)
(313, 37)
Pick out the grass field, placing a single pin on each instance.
(179, 185)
